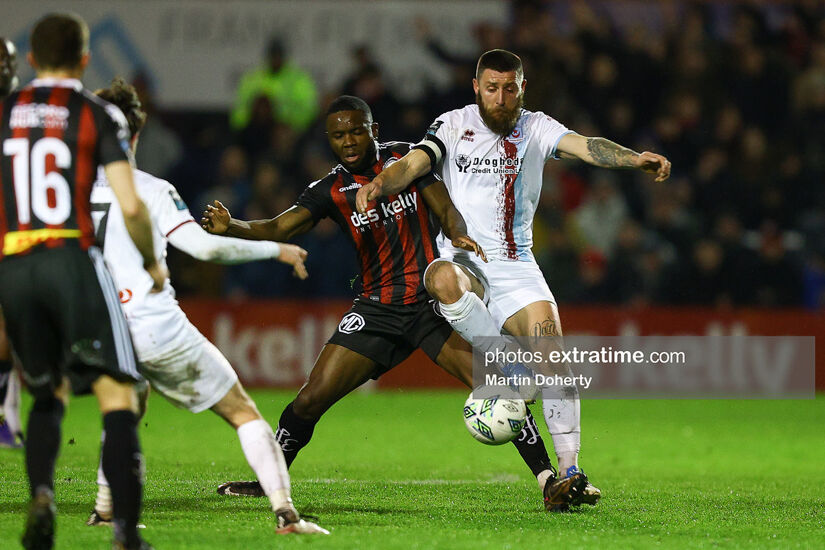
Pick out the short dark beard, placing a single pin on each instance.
(504, 121)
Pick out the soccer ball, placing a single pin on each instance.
(494, 420)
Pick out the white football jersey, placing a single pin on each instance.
(155, 320)
(494, 181)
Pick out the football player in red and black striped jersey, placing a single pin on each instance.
(393, 315)
(61, 308)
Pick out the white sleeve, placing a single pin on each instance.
(550, 131)
(438, 140)
(167, 209)
(192, 239)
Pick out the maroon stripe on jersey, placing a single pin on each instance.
(410, 271)
(3, 224)
(509, 210)
(85, 173)
(26, 96)
(59, 97)
(382, 245)
(178, 226)
(340, 200)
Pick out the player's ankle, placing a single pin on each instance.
(543, 476)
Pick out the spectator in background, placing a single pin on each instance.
(292, 93)
(602, 214)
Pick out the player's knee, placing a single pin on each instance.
(442, 282)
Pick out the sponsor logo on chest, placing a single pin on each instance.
(386, 212)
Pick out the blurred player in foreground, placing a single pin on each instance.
(175, 358)
(59, 302)
(491, 155)
(393, 315)
(11, 430)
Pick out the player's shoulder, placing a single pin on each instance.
(537, 117)
(393, 148)
(327, 180)
(147, 181)
(104, 107)
(459, 117)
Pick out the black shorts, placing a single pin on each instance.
(388, 334)
(63, 318)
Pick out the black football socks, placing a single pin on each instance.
(293, 433)
(43, 442)
(123, 467)
(531, 447)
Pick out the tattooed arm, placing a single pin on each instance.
(603, 152)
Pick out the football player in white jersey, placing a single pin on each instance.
(178, 361)
(491, 156)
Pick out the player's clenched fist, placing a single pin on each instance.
(216, 218)
(294, 255)
(653, 163)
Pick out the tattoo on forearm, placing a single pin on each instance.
(610, 155)
(545, 328)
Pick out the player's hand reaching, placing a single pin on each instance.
(466, 243)
(216, 218)
(159, 276)
(294, 255)
(654, 164)
(368, 192)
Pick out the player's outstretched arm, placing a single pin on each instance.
(394, 178)
(295, 221)
(452, 222)
(135, 217)
(227, 250)
(602, 152)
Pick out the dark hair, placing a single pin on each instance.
(8, 67)
(349, 103)
(59, 41)
(501, 61)
(124, 96)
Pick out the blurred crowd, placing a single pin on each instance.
(732, 93)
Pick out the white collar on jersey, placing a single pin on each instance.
(56, 83)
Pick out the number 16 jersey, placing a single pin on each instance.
(54, 134)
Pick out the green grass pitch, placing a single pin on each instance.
(397, 469)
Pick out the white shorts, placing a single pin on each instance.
(509, 286)
(194, 377)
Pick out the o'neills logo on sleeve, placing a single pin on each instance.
(386, 212)
(350, 187)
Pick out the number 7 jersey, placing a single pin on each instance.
(54, 134)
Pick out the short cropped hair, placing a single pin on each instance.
(349, 103)
(59, 41)
(124, 96)
(501, 61)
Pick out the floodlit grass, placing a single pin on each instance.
(398, 470)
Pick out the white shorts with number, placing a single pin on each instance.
(509, 286)
(193, 375)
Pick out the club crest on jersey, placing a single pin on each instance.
(463, 162)
(352, 322)
(516, 135)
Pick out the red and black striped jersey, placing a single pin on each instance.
(395, 239)
(54, 134)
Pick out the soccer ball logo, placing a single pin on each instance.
(494, 420)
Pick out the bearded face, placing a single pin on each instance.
(501, 119)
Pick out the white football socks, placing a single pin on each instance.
(103, 500)
(469, 317)
(11, 407)
(266, 459)
(562, 411)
